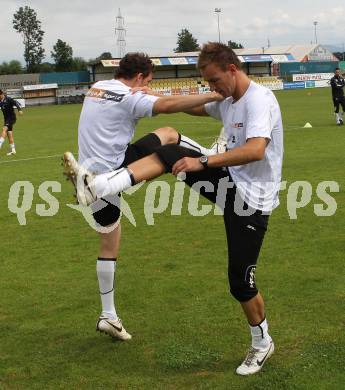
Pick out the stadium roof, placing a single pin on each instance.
(298, 52)
(276, 54)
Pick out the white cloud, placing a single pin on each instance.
(152, 25)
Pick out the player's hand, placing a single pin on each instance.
(217, 97)
(20, 112)
(187, 164)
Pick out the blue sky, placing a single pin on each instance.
(152, 25)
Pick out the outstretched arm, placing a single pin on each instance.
(197, 111)
(172, 104)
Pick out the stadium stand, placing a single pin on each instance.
(196, 84)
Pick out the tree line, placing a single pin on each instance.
(26, 23)
(187, 43)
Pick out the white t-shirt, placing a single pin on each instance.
(107, 123)
(255, 114)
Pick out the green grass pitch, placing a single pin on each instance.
(172, 289)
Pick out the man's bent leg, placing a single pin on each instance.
(122, 179)
(160, 137)
(169, 135)
(90, 187)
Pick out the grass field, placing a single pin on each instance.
(172, 291)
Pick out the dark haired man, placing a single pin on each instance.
(106, 128)
(338, 84)
(7, 105)
(252, 121)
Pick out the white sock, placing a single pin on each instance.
(112, 183)
(106, 275)
(260, 337)
(13, 147)
(337, 115)
(2, 140)
(191, 144)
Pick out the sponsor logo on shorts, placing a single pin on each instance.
(250, 276)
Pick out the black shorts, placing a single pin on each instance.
(245, 231)
(9, 123)
(337, 102)
(109, 207)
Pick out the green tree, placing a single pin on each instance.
(79, 64)
(4, 68)
(26, 23)
(47, 67)
(63, 56)
(12, 67)
(105, 56)
(340, 55)
(234, 45)
(186, 42)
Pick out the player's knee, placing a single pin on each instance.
(242, 290)
(106, 212)
(167, 135)
(172, 135)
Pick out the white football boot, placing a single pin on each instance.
(12, 152)
(113, 328)
(219, 145)
(80, 178)
(254, 360)
(339, 119)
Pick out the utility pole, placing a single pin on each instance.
(120, 32)
(315, 35)
(218, 11)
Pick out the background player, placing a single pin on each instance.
(7, 105)
(338, 84)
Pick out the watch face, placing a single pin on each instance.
(203, 159)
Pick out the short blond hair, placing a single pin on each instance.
(218, 54)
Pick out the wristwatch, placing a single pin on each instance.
(204, 161)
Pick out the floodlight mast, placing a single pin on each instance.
(218, 11)
(120, 32)
(315, 35)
